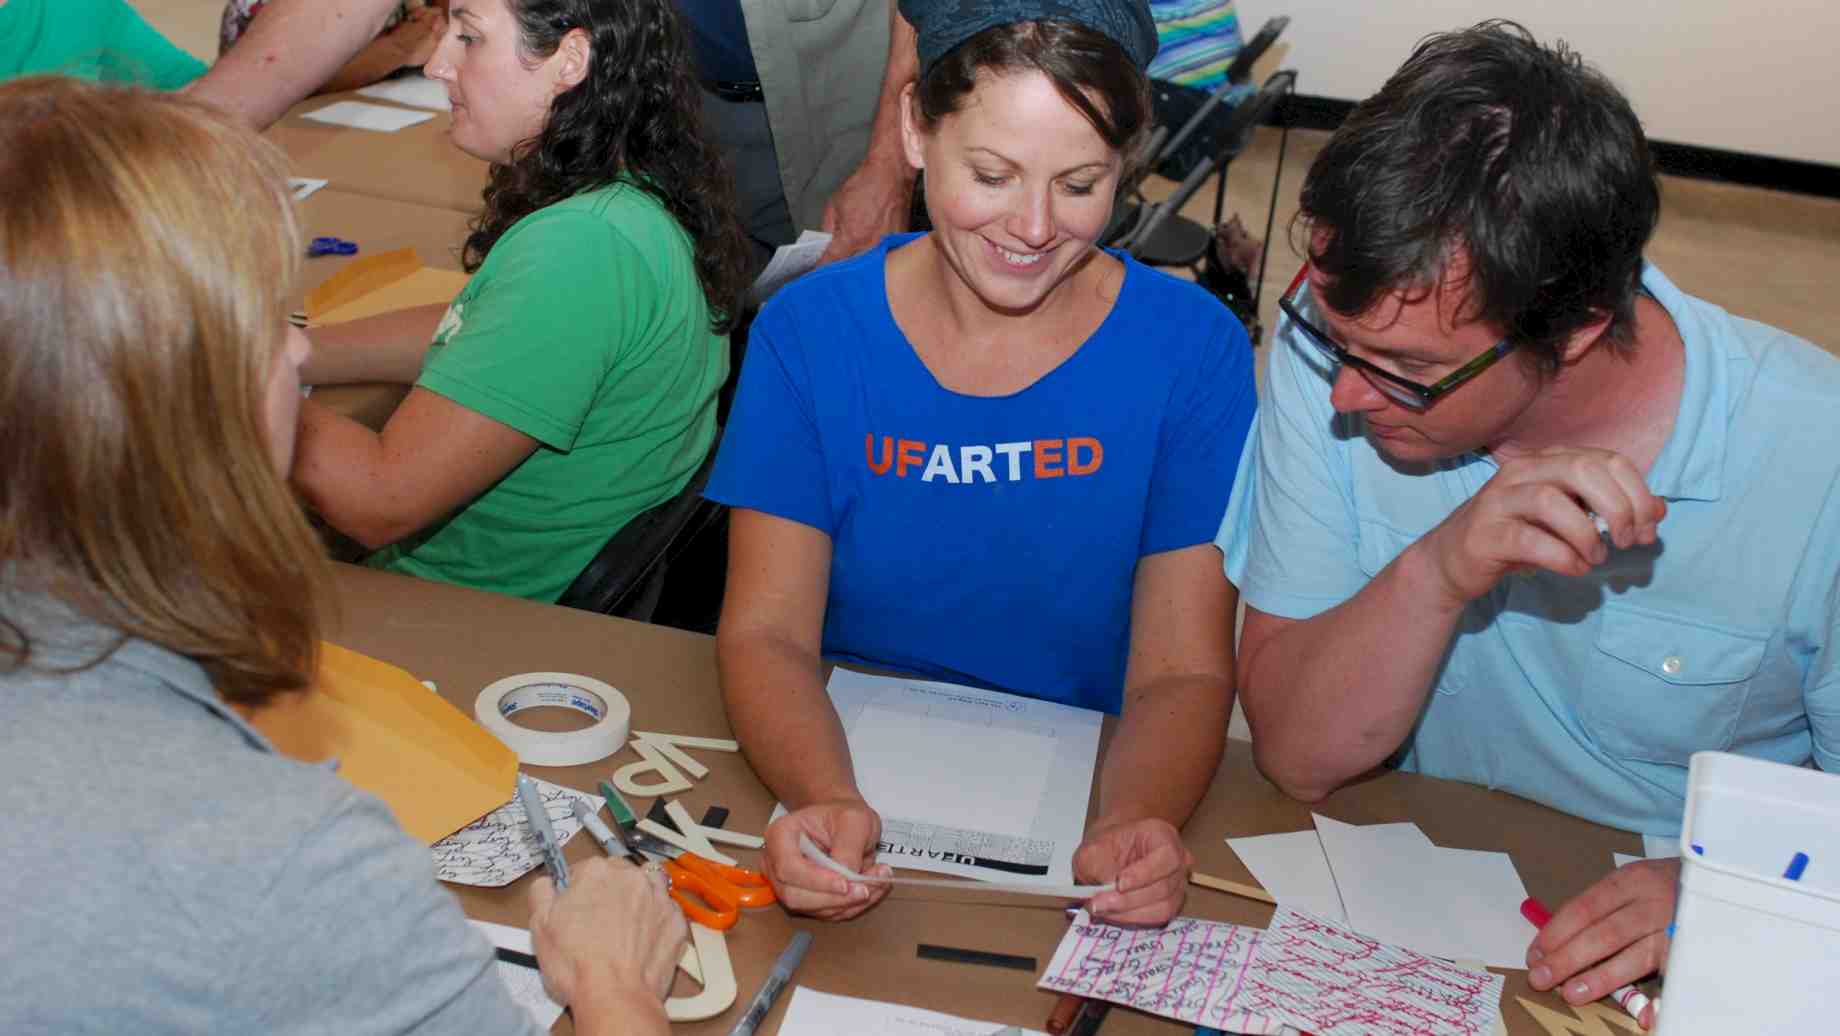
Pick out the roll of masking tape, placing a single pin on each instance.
(607, 707)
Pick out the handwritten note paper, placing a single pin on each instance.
(1189, 970)
(1303, 971)
(1317, 975)
(498, 848)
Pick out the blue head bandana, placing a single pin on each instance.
(944, 24)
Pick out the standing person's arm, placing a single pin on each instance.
(873, 202)
(1177, 700)
(294, 47)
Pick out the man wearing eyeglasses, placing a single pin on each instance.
(1517, 510)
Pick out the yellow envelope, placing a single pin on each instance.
(435, 768)
(380, 284)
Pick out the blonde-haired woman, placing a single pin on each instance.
(155, 578)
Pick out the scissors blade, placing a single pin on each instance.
(538, 816)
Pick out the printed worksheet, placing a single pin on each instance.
(499, 848)
(970, 782)
(812, 1013)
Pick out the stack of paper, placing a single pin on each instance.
(1303, 973)
(1389, 882)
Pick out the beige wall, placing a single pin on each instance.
(1757, 76)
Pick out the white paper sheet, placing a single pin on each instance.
(789, 261)
(1017, 761)
(1399, 888)
(1189, 970)
(499, 848)
(416, 91)
(1291, 866)
(812, 1013)
(359, 115)
(304, 186)
(1321, 977)
(1018, 816)
(1657, 848)
(524, 984)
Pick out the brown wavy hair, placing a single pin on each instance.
(637, 112)
(147, 246)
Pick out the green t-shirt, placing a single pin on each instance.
(90, 39)
(585, 329)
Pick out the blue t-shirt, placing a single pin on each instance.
(1590, 693)
(989, 540)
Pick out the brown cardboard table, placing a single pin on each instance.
(465, 639)
(376, 225)
(419, 164)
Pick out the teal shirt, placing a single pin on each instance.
(1590, 693)
(103, 40)
(585, 329)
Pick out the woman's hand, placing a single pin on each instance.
(1149, 863)
(848, 830)
(613, 934)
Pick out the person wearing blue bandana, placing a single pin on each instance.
(993, 454)
(1518, 510)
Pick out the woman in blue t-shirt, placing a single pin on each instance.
(993, 454)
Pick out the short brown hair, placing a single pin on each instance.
(147, 246)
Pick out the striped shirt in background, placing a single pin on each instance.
(1199, 39)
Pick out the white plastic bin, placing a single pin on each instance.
(1753, 952)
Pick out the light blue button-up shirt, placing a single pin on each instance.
(1590, 693)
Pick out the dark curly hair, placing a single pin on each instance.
(638, 111)
(1522, 156)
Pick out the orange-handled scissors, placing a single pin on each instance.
(710, 893)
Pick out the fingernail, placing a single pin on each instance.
(1541, 977)
(1578, 989)
(1534, 955)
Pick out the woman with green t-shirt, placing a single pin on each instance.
(572, 384)
(103, 40)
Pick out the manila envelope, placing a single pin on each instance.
(379, 284)
(435, 768)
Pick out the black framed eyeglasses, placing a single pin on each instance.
(1404, 391)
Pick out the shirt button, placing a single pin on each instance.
(1672, 665)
